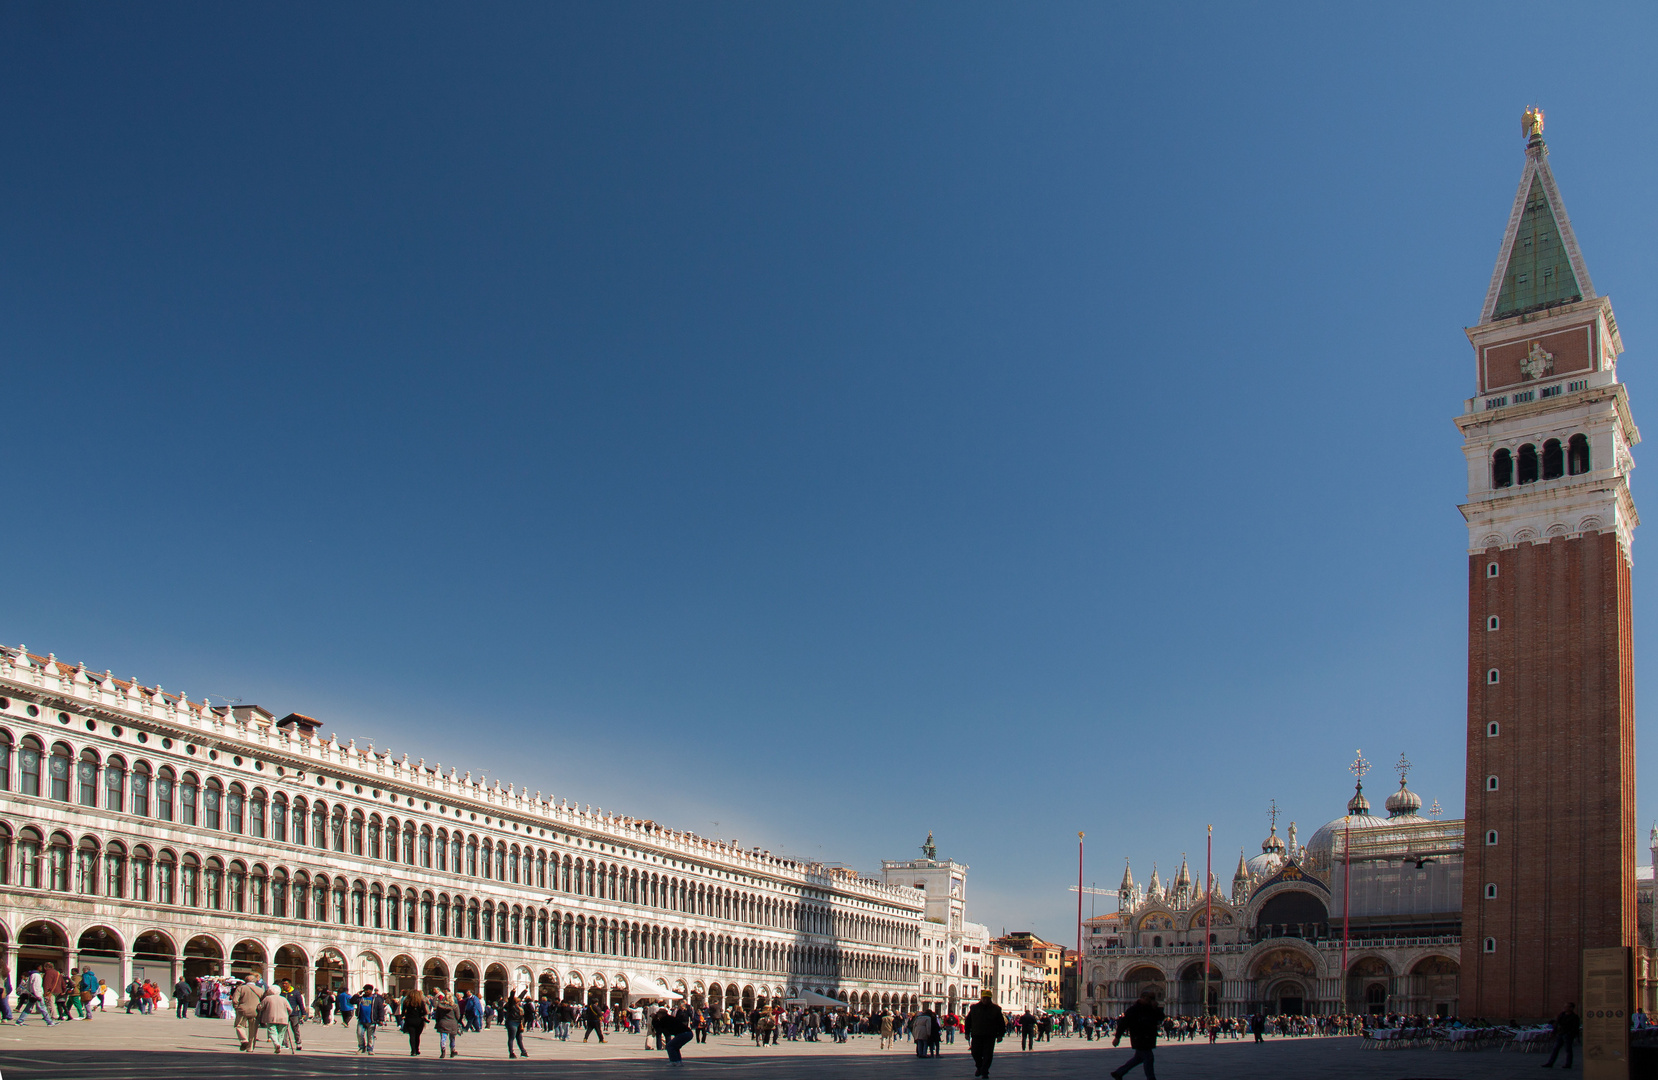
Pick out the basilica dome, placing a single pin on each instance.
(1321, 848)
(1271, 858)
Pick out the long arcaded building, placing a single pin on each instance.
(144, 833)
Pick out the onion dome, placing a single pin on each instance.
(1271, 857)
(1358, 804)
(1404, 802)
(1320, 848)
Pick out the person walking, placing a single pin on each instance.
(184, 996)
(986, 1024)
(1258, 1026)
(591, 1024)
(366, 1008)
(245, 1002)
(1141, 1022)
(414, 1019)
(921, 1030)
(33, 996)
(886, 1030)
(1027, 1030)
(274, 1016)
(297, 1012)
(675, 1030)
(512, 1018)
(446, 1021)
(1566, 1028)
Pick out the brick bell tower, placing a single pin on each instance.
(1550, 846)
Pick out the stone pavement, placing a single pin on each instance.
(115, 1046)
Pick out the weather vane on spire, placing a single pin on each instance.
(1402, 767)
(1531, 122)
(1272, 814)
(1359, 767)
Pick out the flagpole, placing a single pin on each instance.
(1208, 912)
(1080, 835)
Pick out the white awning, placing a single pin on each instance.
(815, 999)
(649, 988)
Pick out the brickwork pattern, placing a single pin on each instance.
(1563, 758)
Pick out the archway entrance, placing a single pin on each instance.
(247, 961)
(290, 966)
(1191, 991)
(572, 990)
(100, 950)
(434, 976)
(41, 943)
(466, 978)
(203, 957)
(401, 978)
(1288, 997)
(153, 955)
(495, 983)
(547, 985)
(1433, 986)
(330, 973)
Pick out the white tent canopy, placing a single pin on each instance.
(649, 988)
(813, 998)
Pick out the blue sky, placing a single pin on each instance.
(813, 424)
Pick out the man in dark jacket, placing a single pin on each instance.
(1141, 1022)
(1566, 1028)
(986, 1024)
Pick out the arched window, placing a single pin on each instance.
(472, 856)
(141, 788)
(374, 836)
(86, 778)
(166, 877)
(455, 852)
(359, 904)
(411, 911)
(5, 760)
(339, 901)
(356, 832)
(319, 827)
(279, 817)
(259, 889)
(426, 848)
(279, 894)
(29, 848)
(408, 843)
(500, 862)
(29, 766)
(1528, 464)
(115, 783)
(189, 881)
(443, 914)
(256, 813)
(336, 829)
(236, 887)
(115, 870)
(164, 784)
(213, 882)
(235, 807)
(58, 769)
(319, 900)
(426, 925)
(212, 805)
(57, 863)
(141, 864)
(541, 873)
(1577, 455)
(1554, 460)
(443, 849)
(188, 789)
(377, 907)
(512, 865)
(300, 890)
(86, 867)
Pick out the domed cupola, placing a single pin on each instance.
(1358, 805)
(1271, 857)
(1404, 802)
(1320, 850)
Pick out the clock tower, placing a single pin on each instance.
(1549, 864)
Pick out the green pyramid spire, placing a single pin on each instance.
(1539, 271)
(1539, 265)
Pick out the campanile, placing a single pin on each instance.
(1550, 845)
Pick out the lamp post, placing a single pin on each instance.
(1208, 913)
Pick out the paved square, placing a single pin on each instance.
(117, 1047)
